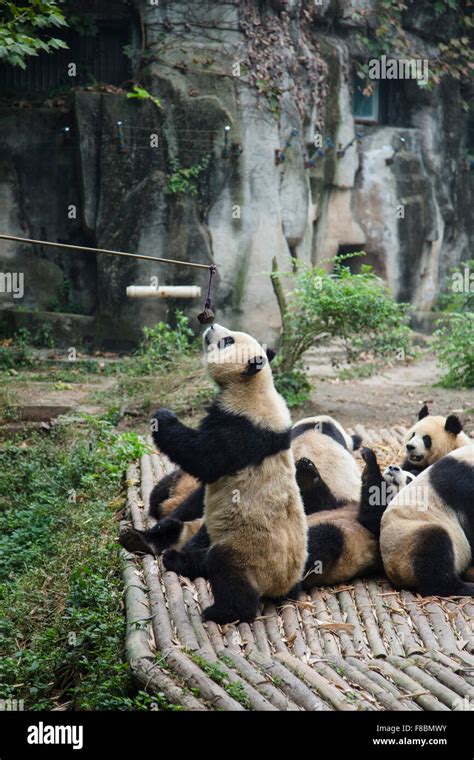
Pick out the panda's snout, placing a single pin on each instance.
(410, 447)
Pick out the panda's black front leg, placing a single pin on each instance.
(190, 563)
(373, 498)
(180, 443)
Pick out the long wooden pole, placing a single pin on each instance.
(86, 249)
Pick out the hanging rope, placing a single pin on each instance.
(205, 317)
(86, 249)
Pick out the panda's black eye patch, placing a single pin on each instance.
(227, 341)
(427, 441)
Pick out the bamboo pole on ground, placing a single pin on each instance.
(383, 618)
(440, 691)
(326, 690)
(365, 610)
(421, 695)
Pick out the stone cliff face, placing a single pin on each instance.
(279, 74)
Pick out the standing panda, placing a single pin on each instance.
(431, 438)
(427, 531)
(253, 511)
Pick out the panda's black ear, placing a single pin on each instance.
(423, 412)
(254, 365)
(453, 424)
(270, 354)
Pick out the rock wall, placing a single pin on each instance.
(278, 74)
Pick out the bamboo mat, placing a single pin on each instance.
(360, 646)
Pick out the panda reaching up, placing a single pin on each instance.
(240, 452)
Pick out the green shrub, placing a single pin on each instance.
(454, 346)
(294, 386)
(163, 343)
(453, 341)
(357, 309)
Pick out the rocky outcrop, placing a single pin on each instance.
(281, 78)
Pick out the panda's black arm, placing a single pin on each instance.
(373, 496)
(192, 507)
(185, 446)
(224, 443)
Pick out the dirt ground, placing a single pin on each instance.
(393, 397)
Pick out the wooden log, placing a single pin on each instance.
(422, 697)
(349, 612)
(446, 677)
(197, 679)
(366, 612)
(213, 630)
(174, 594)
(443, 632)
(345, 638)
(259, 630)
(368, 669)
(291, 625)
(146, 482)
(161, 623)
(260, 681)
(400, 621)
(133, 507)
(383, 617)
(142, 661)
(150, 676)
(361, 678)
(330, 643)
(328, 692)
(441, 692)
(195, 618)
(461, 624)
(270, 619)
(287, 682)
(419, 620)
(310, 631)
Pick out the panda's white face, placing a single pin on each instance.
(397, 478)
(233, 356)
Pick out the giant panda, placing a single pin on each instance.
(431, 438)
(427, 532)
(343, 539)
(320, 448)
(177, 501)
(241, 452)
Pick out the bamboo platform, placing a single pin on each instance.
(361, 646)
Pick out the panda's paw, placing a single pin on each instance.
(172, 560)
(133, 541)
(305, 465)
(368, 455)
(160, 423)
(217, 615)
(166, 533)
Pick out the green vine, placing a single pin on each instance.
(183, 180)
(388, 37)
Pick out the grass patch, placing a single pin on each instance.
(235, 689)
(62, 625)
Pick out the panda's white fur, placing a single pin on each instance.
(396, 479)
(431, 438)
(337, 467)
(425, 530)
